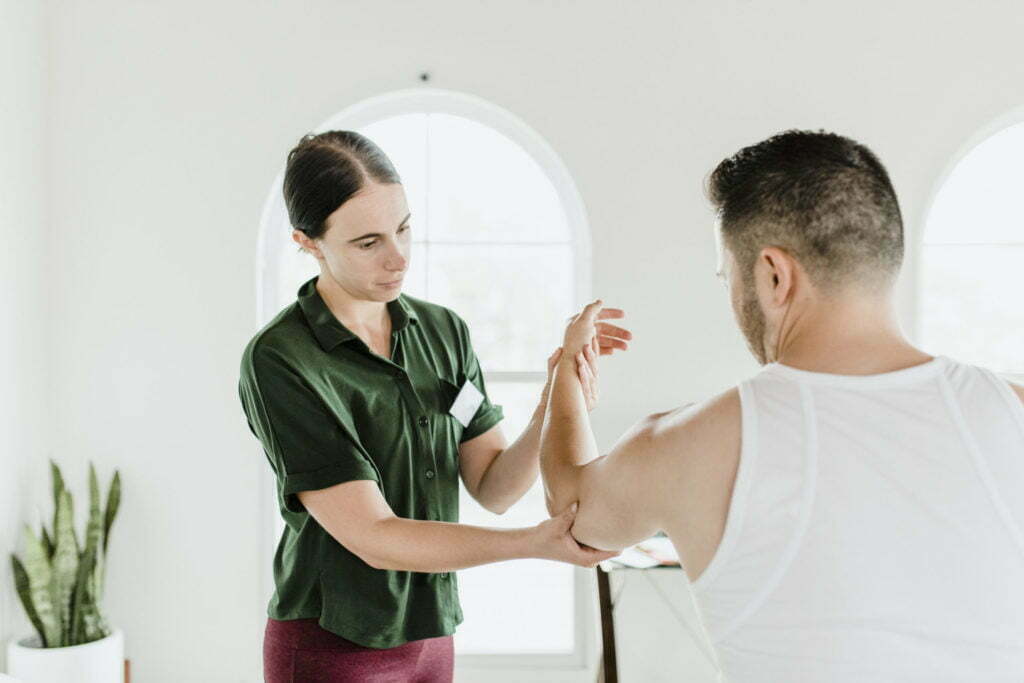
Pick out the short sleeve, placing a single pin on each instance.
(487, 415)
(306, 444)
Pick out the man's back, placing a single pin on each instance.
(874, 531)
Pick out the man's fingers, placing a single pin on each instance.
(609, 344)
(611, 313)
(609, 330)
(591, 311)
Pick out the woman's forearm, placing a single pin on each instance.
(514, 470)
(426, 546)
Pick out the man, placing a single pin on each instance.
(850, 513)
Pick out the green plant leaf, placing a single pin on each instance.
(24, 590)
(81, 598)
(94, 527)
(47, 543)
(65, 563)
(94, 533)
(40, 578)
(58, 491)
(113, 503)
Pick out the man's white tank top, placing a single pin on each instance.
(875, 530)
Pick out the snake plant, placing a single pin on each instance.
(60, 583)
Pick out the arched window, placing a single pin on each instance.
(971, 303)
(500, 237)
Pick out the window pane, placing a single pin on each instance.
(972, 300)
(516, 299)
(484, 187)
(980, 201)
(521, 607)
(497, 618)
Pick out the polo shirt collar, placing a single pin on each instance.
(329, 331)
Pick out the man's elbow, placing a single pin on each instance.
(593, 537)
(561, 489)
(496, 507)
(557, 500)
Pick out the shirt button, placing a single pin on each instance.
(430, 474)
(423, 421)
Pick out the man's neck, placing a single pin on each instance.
(848, 337)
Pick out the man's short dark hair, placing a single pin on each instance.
(822, 197)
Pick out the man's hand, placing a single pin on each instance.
(585, 329)
(592, 339)
(552, 541)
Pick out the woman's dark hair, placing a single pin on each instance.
(823, 197)
(326, 170)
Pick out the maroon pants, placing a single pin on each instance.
(299, 651)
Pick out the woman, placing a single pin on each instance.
(370, 405)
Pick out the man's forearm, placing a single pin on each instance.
(513, 471)
(426, 546)
(567, 443)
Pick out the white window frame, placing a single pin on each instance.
(270, 242)
(993, 126)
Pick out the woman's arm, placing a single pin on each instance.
(357, 516)
(497, 475)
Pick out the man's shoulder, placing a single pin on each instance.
(695, 432)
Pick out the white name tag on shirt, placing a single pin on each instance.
(466, 403)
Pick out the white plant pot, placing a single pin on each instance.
(101, 661)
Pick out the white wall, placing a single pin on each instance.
(23, 289)
(169, 120)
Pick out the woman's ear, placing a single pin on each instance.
(306, 244)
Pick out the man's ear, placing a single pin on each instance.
(778, 272)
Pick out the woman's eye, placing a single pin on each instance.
(404, 228)
(367, 245)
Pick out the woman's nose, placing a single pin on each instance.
(396, 261)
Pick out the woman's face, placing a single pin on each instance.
(366, 246)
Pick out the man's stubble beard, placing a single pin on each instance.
(752, 323)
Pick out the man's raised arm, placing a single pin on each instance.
(611, 488)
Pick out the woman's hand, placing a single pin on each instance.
(586, 370)
(552, 541)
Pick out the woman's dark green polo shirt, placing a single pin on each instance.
(328, 410)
